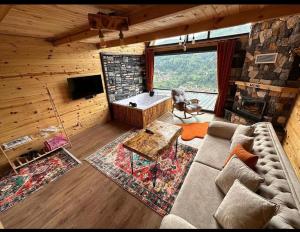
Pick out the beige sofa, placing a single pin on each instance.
(199, 197)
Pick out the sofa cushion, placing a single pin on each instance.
(281, 184)
(172, 221)
(245, 141)
(237, 169)
(213, 151)
(221, 129)
(244, 209)
(199, 197)
(244, 130)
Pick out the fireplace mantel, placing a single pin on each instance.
(268, 87)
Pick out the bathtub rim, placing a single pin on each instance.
(142, 109)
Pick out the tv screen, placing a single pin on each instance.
(86, 86)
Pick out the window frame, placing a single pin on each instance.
(208, 38)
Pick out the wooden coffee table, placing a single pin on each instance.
(152, 145)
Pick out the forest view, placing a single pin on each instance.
(189, 71)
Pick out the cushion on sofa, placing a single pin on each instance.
(213, 151)
(244, 209)
(237, 169)
(221, 129)
(199, 197)
(245, 141)
(172, 221)
(244, 130)
(247, 157)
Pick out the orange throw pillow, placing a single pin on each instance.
(247, 157)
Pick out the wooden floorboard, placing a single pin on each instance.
(83, 197)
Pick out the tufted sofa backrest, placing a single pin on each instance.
(281, 184)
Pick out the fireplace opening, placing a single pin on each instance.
(252, 108)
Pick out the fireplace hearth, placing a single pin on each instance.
(252, 108)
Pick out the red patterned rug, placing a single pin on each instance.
(114, 161)
(32, 177)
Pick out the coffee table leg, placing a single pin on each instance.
(131, 163)
(176, 144)
(155, 171)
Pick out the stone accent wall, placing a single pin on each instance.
(277, 35)
(124, 75)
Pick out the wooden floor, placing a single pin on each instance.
(84, 197)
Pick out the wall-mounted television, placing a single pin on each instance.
(85, 86)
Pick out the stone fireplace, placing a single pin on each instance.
(252, 108)
(258, 102)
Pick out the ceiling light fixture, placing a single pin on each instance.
(193, 40)
(184, 43)
(180, 41)
(102, 41)
(121, 36)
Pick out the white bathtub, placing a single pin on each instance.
(143, 100)
(147, 110)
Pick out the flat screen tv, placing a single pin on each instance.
(85, 86)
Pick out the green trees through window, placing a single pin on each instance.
(189, 71)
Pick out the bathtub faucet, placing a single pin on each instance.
(132, 104)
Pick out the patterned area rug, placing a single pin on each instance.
(114, 161)
(32, 177)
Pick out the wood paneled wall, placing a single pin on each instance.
(27, 65)
(291, 143)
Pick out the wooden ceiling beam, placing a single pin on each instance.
(146, 14)
(267, 12)
(4, 9)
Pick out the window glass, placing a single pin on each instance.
(170, 40)
(240, 29)
(189, 71)
(198, 36)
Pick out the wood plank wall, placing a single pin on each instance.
(26, 66)
(291, 142)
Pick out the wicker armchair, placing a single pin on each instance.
(182, 104)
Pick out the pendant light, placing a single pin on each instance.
(102, 41)
(193, 40)
(180, 41)
(121, 36)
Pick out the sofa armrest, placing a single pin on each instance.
(172, 221)
(221, 129)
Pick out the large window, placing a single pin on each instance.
(228, 31)
(189, 71)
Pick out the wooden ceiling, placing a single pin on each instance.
(67, 23)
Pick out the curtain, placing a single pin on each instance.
(225, 51)
(149, 68)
